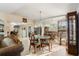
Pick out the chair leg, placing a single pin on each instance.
(49, 48)
(51, 45)
(29, 48)
(40, 47)
(34, 49)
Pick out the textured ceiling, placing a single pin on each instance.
(32, 10)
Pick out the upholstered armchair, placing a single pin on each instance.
(12, 50)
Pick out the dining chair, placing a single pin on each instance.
(34, 43)
(45, 43)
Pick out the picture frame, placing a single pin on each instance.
(24, 20)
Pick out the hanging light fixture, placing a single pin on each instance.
(40, 14)
(40, 22)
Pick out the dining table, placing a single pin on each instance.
(40, 37)
(43, 40)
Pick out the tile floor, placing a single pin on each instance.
(56, 50)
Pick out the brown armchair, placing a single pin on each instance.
(12, 50)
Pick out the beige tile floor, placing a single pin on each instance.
(56, 50)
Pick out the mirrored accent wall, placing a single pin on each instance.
(62, 31)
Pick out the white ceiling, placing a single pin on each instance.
(32, 10)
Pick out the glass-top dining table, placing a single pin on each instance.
(42, 41)
(42, 38)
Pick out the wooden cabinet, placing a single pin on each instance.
(73, 33)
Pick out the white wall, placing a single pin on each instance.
(10, 18)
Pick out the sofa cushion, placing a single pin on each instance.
(7, 42)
